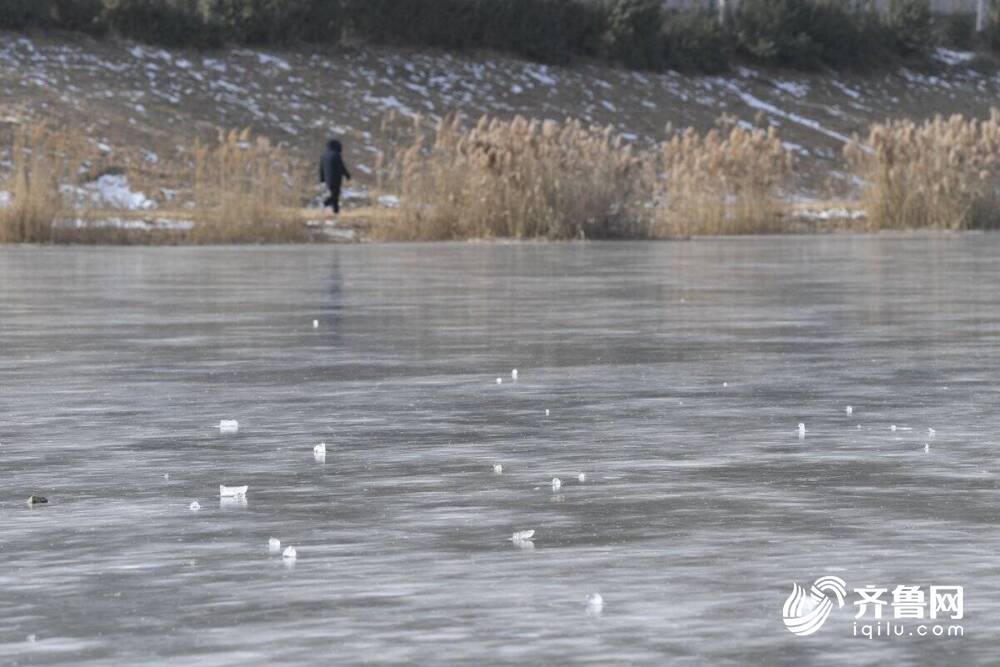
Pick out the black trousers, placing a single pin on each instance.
(334, 199)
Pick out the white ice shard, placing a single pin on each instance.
(497, 469)
(802, 430)
(315, 324)
(556, 483)
(582, 477)
(595, 603)
(499, 380)
(194, 506)
(290, 553)
(546, 412)
(232, 502)
(523, 536)
(893, 428)
(931, 433)
(849, 410)
(320, 449)
(927, 448)
(274, 545)
(513, 374)
(232, 491)
(229, 426)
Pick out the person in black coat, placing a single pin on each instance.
(333, 171)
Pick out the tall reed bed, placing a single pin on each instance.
(511, 178)
(39, 156)
(237, 189)
(531, 179)
(244, 191)
(725, 181)
(942, 173)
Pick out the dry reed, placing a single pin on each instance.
(244, 190)
(530, 179)
(942, 173)
(33, 186)
(511, 179)
(721, 182)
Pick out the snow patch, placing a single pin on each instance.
(953, 58)
(267, 59)
(794, 148)
(541, 75)
(126, 223)
(836, 213)
(761, 105)
(388, 102)
(793, 88)
(113, 191)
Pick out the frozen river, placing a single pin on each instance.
(676, 375)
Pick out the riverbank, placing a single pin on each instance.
(141, 139)
(365, 224)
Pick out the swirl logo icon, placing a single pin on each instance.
(805, 612)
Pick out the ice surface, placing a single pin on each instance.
(700, 509)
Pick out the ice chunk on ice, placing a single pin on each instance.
(290, 553)
(523, 536)
(497, 469)
(232, 491)
(556, 484)
(194, 506)
(274, 545)
(229, 426)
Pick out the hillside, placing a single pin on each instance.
(128, 97)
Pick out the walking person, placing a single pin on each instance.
(332, 172)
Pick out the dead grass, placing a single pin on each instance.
(244, 190)
(510, 179)
(722, 182)
(531, 179)
(239, 189)
(33, 186)
(943, 173)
